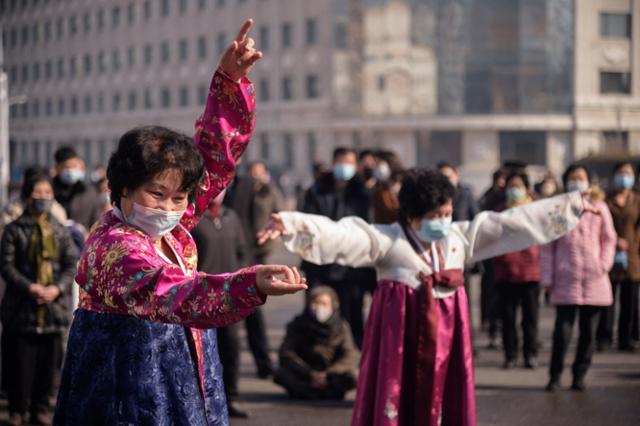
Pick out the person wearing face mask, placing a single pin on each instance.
(575, 271)
(38, 265)
(419, 318)
(142, 347)
(79, 198)
(318, 358)
(367, 167)
(338, 194)
(388, 172)
(517, 276)
(624, 204)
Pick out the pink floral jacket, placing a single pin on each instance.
(120, 271)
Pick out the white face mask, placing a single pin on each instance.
(153, 222)
(321, 313)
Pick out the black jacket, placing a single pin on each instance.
(80, 200)
(465, 206)
(326, 199)
(18, 306)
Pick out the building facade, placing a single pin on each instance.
(472, 82)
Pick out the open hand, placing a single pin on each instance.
(241, 55)
(277, 280)
(272, 230)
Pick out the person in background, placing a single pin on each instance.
(254, 198)
(79, 199)
(388, 174)
(489, 296)
(465, 206)
(517, 276)
(38, 265)
(624, 204)
(104, 194)
(575, 270)
(366, 165)
(318, 359)
(547, 187)
(338, 194)
(221, 227)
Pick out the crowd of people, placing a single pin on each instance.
(120, 244)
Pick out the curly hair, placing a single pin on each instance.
(422, 191)
(144, 152)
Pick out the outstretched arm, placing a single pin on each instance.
(317, 239)
(491, 234)
(223, 131)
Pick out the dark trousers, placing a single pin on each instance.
(627, 291)
(299, 386)
(229, 350)
(489, 300)
(525, 295)
(258, 343)
(31, 364)
(565, 317)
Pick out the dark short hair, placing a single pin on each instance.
(144, 152)
(445, 165)
(65, 153)
(32, 176)
(500, 173)
(621, 164)
(365, 153)
(572, 168)
(519, 174)
(342, 151)
(422, 191)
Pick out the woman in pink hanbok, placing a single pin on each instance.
(416, 366)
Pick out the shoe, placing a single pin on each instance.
(578, 384)
(553, 385)
(235, 412)
(265, 373)
(628, 347)
(16, 420)
(508, 364)
(531, 363)
(603, 346)
(42, 419)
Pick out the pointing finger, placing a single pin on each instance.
(242, 35)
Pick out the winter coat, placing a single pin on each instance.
(80, 200)
(576, 267)
(626, 221)
(19, 308)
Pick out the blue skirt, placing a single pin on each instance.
(120, 370)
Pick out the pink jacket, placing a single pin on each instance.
(577, 265)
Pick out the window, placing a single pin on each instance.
(131, 57)
(287, 88)
(382, 83)
(264, 146)
(287, 35)
(73, 105)
(35, 34)
(88, 105)
(36, 108)
(59, 28)
(148, 103)
(164, 52)
(183, 6)
(61, 106)
(87, 64)
(287, 140)
(25, 110)
(264, 38)
(165, 98)
(115, 60)
(131, 13)
(86, 23)
(115, 17)
(221, 3)
(13, 38)
(615, 141)
(164, 8)
(615, 25)
(202, 48)
(147, 10)
(13, 74)
(202, 4)
(340, 35)
(100, 102)
(25, 36)
(48, 70)
(312, 146)
(183, 49)
(60, 68)
(201, 95)
(615, 83)
(312, 87)
(311, 31)
(148, 54)
(102, 66)
(73, 64)
(116, 102)
(36, 71)
(100, 20)
(48, 107)
(132, 101)
(184, 96)
(221, 43)
(47, 31)
(73, 26)
(263, 92)
(25, 73)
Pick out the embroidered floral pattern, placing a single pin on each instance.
(390, 411)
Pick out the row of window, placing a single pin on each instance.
(26, 35)
(615, 25)
(134, 100)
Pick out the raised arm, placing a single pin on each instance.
(491, 234)
(317, 239)
(223, 131)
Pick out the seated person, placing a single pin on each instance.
(318, 358)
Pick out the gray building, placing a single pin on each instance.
(473, 82)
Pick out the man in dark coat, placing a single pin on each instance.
(338, 194)
(79, 199)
